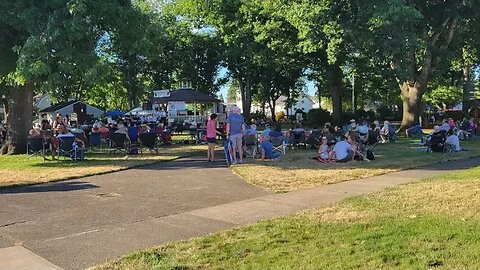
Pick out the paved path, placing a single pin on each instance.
(79, 223)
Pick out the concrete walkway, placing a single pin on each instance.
(80, 223)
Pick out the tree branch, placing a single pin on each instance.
(436, 35)
(451, 31)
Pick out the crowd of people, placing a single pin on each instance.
(447, 136)
(335, 144)
(54, 130)
(354, 141)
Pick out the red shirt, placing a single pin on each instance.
(211, 129)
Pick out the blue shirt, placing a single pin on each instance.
(236, 122)
(274, 133)
(268, 147)
(265, 132)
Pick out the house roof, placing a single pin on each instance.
(62, 105)
(59, 106)
(187, 95)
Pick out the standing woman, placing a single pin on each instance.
(211, 136)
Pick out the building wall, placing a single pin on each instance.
(305, 103)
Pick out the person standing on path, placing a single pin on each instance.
(211, 136)
(235, 131)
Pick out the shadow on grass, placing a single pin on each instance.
(401, 155)
(55, 187)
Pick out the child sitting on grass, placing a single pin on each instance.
(324, 151)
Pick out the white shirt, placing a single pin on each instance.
(444, 127)
(363, 129)
(384, 129)
(341, 149)
(454, 141)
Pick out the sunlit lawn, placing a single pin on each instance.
(20, 170)
(297, 170)
(428, 225)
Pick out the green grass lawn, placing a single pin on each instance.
(19, 170)
(433, 224)
(296, 170)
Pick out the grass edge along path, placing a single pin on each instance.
(297, 170)
(422, 225)
(49, 172)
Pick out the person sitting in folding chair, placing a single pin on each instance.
(69, 145)
(251, 143)
(149, 140)
(36, 146)
(267, 149)
(297, 136)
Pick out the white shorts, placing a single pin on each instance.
(236, 140)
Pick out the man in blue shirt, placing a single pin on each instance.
(235, 131)
(266, 149)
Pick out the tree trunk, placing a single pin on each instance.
(467, 87)
(335, 86)
(19, 119)
(246, 95)
(319, 93)
(272, 109)
(412, 102)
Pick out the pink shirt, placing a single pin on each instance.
(211, 129)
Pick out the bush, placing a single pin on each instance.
(384, 112)
(371, 115)
(346, 116)
(279, 116)
(318, 117)
(360, 114)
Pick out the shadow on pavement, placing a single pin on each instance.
(55, 187)
(190, 163)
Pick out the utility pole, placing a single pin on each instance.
(353, 93)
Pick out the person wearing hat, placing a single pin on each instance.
(265, 132)
(352, 125)
(266, 149)
(235, 130)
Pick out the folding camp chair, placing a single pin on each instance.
(297, 139)
(66, 147)
(250, 146)
(148, 140)
(96, 140)
(372, 140)
(119, 142)
(278, 144)
(392, 133)
(35, 147)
